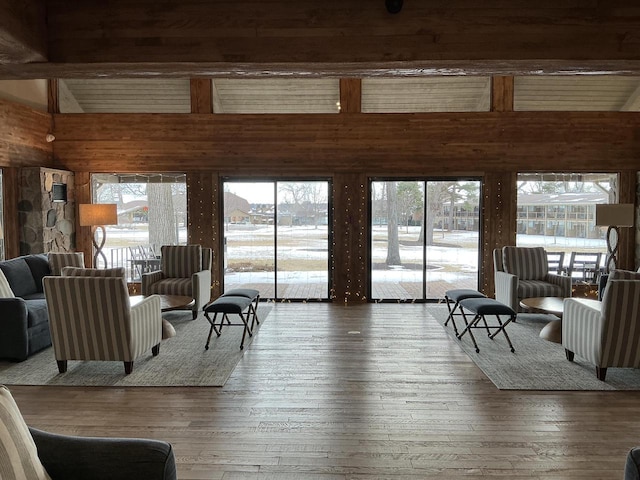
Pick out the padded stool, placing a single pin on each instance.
(251, 293)
(482, 307)
(226, 306)
(454, 296)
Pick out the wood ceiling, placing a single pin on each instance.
(330, 38)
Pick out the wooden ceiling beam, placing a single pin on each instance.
(350, 38)
(22, 31)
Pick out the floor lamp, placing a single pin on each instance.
(614, 215)
(96, 216)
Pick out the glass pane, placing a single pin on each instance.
(249, 236)
(557, 211)
(453, 240)
(416, 260)
(303, 240)
(397, 253)
(152, 211)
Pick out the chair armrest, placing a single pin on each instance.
(80, 458)
(506, 286)
(201, 284)
(149, 279)
(146, 317)
(632, 465)
(582, 319)
(14, 342)
(564, 281)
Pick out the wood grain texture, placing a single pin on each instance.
(22, 136)
(254, 36)
(499, 206)
(23, 32)
(201, 96)
(627, 186)
(204, 223)
(502, 94)
(350, 233)
(434, 143)
(83, 234)
(350, 95)
(398, 400)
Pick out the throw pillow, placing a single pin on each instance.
(5, 288)
(18, 452)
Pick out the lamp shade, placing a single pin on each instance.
(92, 214)
(615, 214)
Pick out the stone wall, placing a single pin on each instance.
(45, 225)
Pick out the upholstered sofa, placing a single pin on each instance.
(24, 319)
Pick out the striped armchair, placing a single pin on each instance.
(184, 270)
(606, 333)
(521, 272)
(91, 319)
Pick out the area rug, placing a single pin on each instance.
(536, 364)
(182, 361)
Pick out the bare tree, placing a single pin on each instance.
(393, 242)
(162, 223)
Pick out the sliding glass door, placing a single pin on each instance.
(276, 238)
(424, 238)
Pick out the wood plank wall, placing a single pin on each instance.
(350, 147)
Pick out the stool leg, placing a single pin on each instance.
(213, 327)
(245, 330)
(451, 314)
(468, 327)
(502, 329)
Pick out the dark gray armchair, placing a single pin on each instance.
(80, 458)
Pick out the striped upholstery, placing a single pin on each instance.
(525, 263)
(18, 454)
(532, 278)
(181, 261)
(186, 270)
(57, 261)
(5, 288)
(607, 333)
(93, 272)
(90, 319)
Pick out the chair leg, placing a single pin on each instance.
(601, 373)
(155, 350)
(569, 354)
(128, 367)
(62, 366)
(195, 314)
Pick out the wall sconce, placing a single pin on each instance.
(50, 137)
(614, 215)
(96, 216)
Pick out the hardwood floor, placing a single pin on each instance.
(359, 392)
